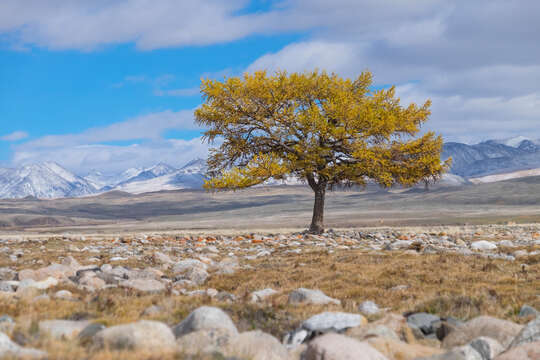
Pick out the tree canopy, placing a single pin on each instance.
(315, 126)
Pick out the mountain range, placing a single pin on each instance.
(488, 161)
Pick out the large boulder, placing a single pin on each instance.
(205, 318)
(333, 346)
(256, 345)
(144, 285)
(142, 335)
(309, 296)
(501, 330)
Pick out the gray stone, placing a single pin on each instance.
(7, 286)
(86, 335)
(339, 347)
(256, 345)
(7, 274)
(63, 295)
(333, 321)
(205, 318)
(10, 350)
(197, 275)
(144, 285)
(368, 308)
(527, 311)
(423, 322)
(143, 335)
(184, 265)
(162, 258)
(204, 341)
(483, 245)
(530, 333)
(309, 296)
(6, 323)
(62, 329)
(487, 347)
(261, 295)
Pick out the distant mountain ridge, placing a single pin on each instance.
(492, 156)
(488, 161)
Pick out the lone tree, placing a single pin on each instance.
(315, 126)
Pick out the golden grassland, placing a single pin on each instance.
(444, 284)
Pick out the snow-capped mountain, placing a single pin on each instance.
(492, 157)
(155, 171)
(46, 180)
(190, 176)
(488, 161)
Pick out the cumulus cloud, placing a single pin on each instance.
(14, 136)
(81, 24)
(477, 60)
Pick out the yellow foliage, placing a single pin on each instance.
(317, 126)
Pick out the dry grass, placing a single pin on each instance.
(459, 286)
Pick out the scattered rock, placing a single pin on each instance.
(142, 335)
(487, 347)
(256, 345)
(527, 311)
(204, 341)
(261, 295)
(368, 308)
(308, 296)
(205, 318)
(483, 245)
(63, 295)
(339, 347)
(423, 322)
(87, 334)
(144, 285)
(333, 322)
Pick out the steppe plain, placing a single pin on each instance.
(452, 273)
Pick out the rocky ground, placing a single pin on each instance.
(388, 293)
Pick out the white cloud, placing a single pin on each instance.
(14, 136)
(150, 126)
(114, 158)
(308, 55)
(81, 24)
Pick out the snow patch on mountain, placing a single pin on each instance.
(45, 180)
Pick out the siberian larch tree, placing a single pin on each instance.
(319, 127)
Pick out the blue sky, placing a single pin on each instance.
(111, 85)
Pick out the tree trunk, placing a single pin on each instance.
(317, 224)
